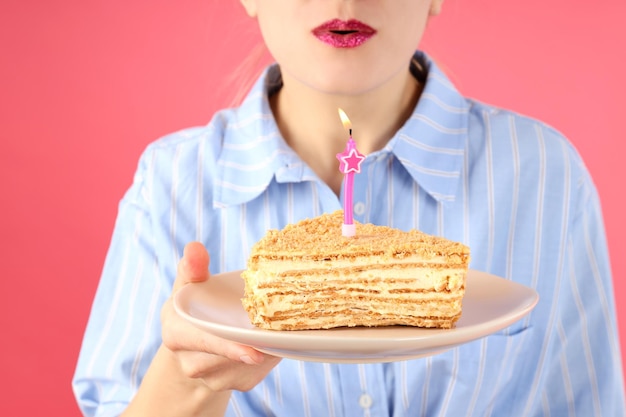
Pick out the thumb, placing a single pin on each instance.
(194, 265)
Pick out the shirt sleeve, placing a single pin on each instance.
(123, 331)
(583, 373)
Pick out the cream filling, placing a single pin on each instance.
(304, 264)
(381, 279)
(416, 304)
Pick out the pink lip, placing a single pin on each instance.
(344, 34)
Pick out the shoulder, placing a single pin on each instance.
(191, 138)
(528, 136)
(183, 154)
(528, 148)
(488, 116)
(191, 147)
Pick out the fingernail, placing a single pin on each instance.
(247, 359)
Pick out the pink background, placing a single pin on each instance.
(85, 85)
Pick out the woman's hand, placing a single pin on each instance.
(221, 364)
(193, 372)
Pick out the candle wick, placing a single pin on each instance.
(350, 131)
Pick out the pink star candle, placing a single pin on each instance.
(349, 164)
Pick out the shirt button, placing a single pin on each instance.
(359, 208)
(365, 401)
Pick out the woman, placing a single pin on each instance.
(510, 187)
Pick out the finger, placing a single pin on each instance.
(221, 374)
(240, 377)
(206, 342)
(180, 335)
(194, 265)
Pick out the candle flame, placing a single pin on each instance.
(344, 119)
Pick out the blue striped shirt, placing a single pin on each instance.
(510, 187)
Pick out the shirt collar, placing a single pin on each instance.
(430, 145)
(253, 151)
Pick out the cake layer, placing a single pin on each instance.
(320, 239)
(444, 308)
(434, 314)
(414, 276)
(304, 322)
(275, 304)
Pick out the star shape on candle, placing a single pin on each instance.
(350, 161)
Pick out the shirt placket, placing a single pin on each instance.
(363, 391)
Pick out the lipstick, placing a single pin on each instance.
(344, 34)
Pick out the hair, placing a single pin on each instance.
(241, 80)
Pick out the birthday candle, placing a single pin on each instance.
(349, 164)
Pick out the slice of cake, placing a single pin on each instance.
(309, 276)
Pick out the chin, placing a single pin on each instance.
(338, 76)
(346, 83)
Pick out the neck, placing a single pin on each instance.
(309, 121)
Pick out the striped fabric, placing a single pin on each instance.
(511, 188)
